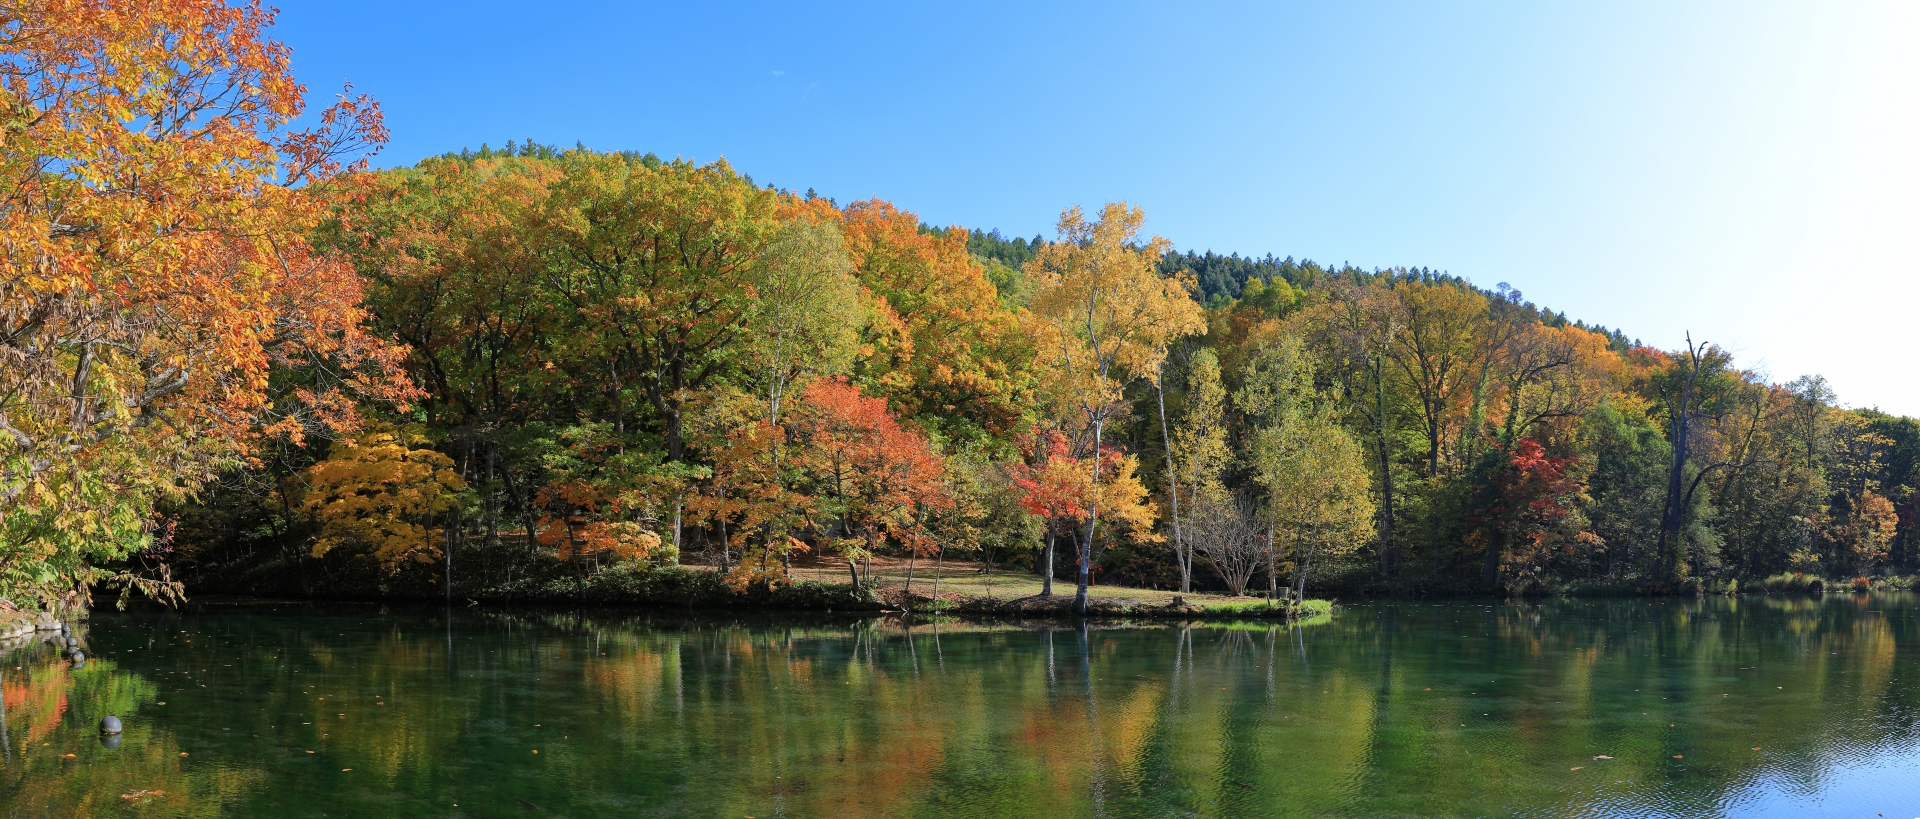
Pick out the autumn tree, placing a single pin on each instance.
(383, 490)
(155, 269)
(1102, 316)
(1354, 332)
(1318, 493)
(942, 349)
(1063, 488)
(1868, 532)
(1198, 455)
(602, 497)
(1528, 507)
(878, 480)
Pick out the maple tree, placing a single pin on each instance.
(942, 349)
(1062, 489)
(382, 489)
(1528, 507)
(155, 271)
(878, 480)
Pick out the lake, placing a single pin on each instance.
(1750, 706)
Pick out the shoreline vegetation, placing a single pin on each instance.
(236, 357)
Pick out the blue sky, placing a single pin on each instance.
(1749, 171)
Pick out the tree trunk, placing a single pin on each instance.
(1046, 570)
(1673, 510)
(676, 531)
(1490, 568)
(1173, 487)
(1093, 520)
(1273, 579)
(1300, 579)
(1389, 554)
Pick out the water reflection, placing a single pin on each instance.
(1781, 706)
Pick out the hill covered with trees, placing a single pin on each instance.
(510, 366)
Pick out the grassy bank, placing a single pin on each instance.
(685, 587)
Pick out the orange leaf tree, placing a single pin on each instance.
(878, 480)
(1057, 486)
(956, 360)
(154, 267)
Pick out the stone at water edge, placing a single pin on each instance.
(110, 724)
(79, 657)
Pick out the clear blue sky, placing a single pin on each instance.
(1747, 171)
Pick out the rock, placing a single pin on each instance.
(43, 621)
(109, 740)
(79, 657)
(110, 724)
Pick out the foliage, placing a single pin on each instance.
(382, 489)
(156, 275)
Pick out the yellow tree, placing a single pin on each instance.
(1317, 488)
(1197, 455)
(1103, 315)
(154, 266)
(1440, 353)
(382, 489)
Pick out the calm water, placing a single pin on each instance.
(1748, 707)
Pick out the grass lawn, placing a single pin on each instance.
(971, 578)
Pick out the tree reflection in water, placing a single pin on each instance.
(1598, 708)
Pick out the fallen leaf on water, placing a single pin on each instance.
(1603, 756)
(344, 770)
(1578, 767)
(1756, 747)
(183, 753)
(70, 756)
(1678, 756)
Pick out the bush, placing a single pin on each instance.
(1793, 583)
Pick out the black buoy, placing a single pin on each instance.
(110, 724)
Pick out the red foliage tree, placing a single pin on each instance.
(880, 480)
(1528, 505)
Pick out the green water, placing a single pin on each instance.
(1464, 709)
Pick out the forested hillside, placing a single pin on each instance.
(630, 359)
(542, 362)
